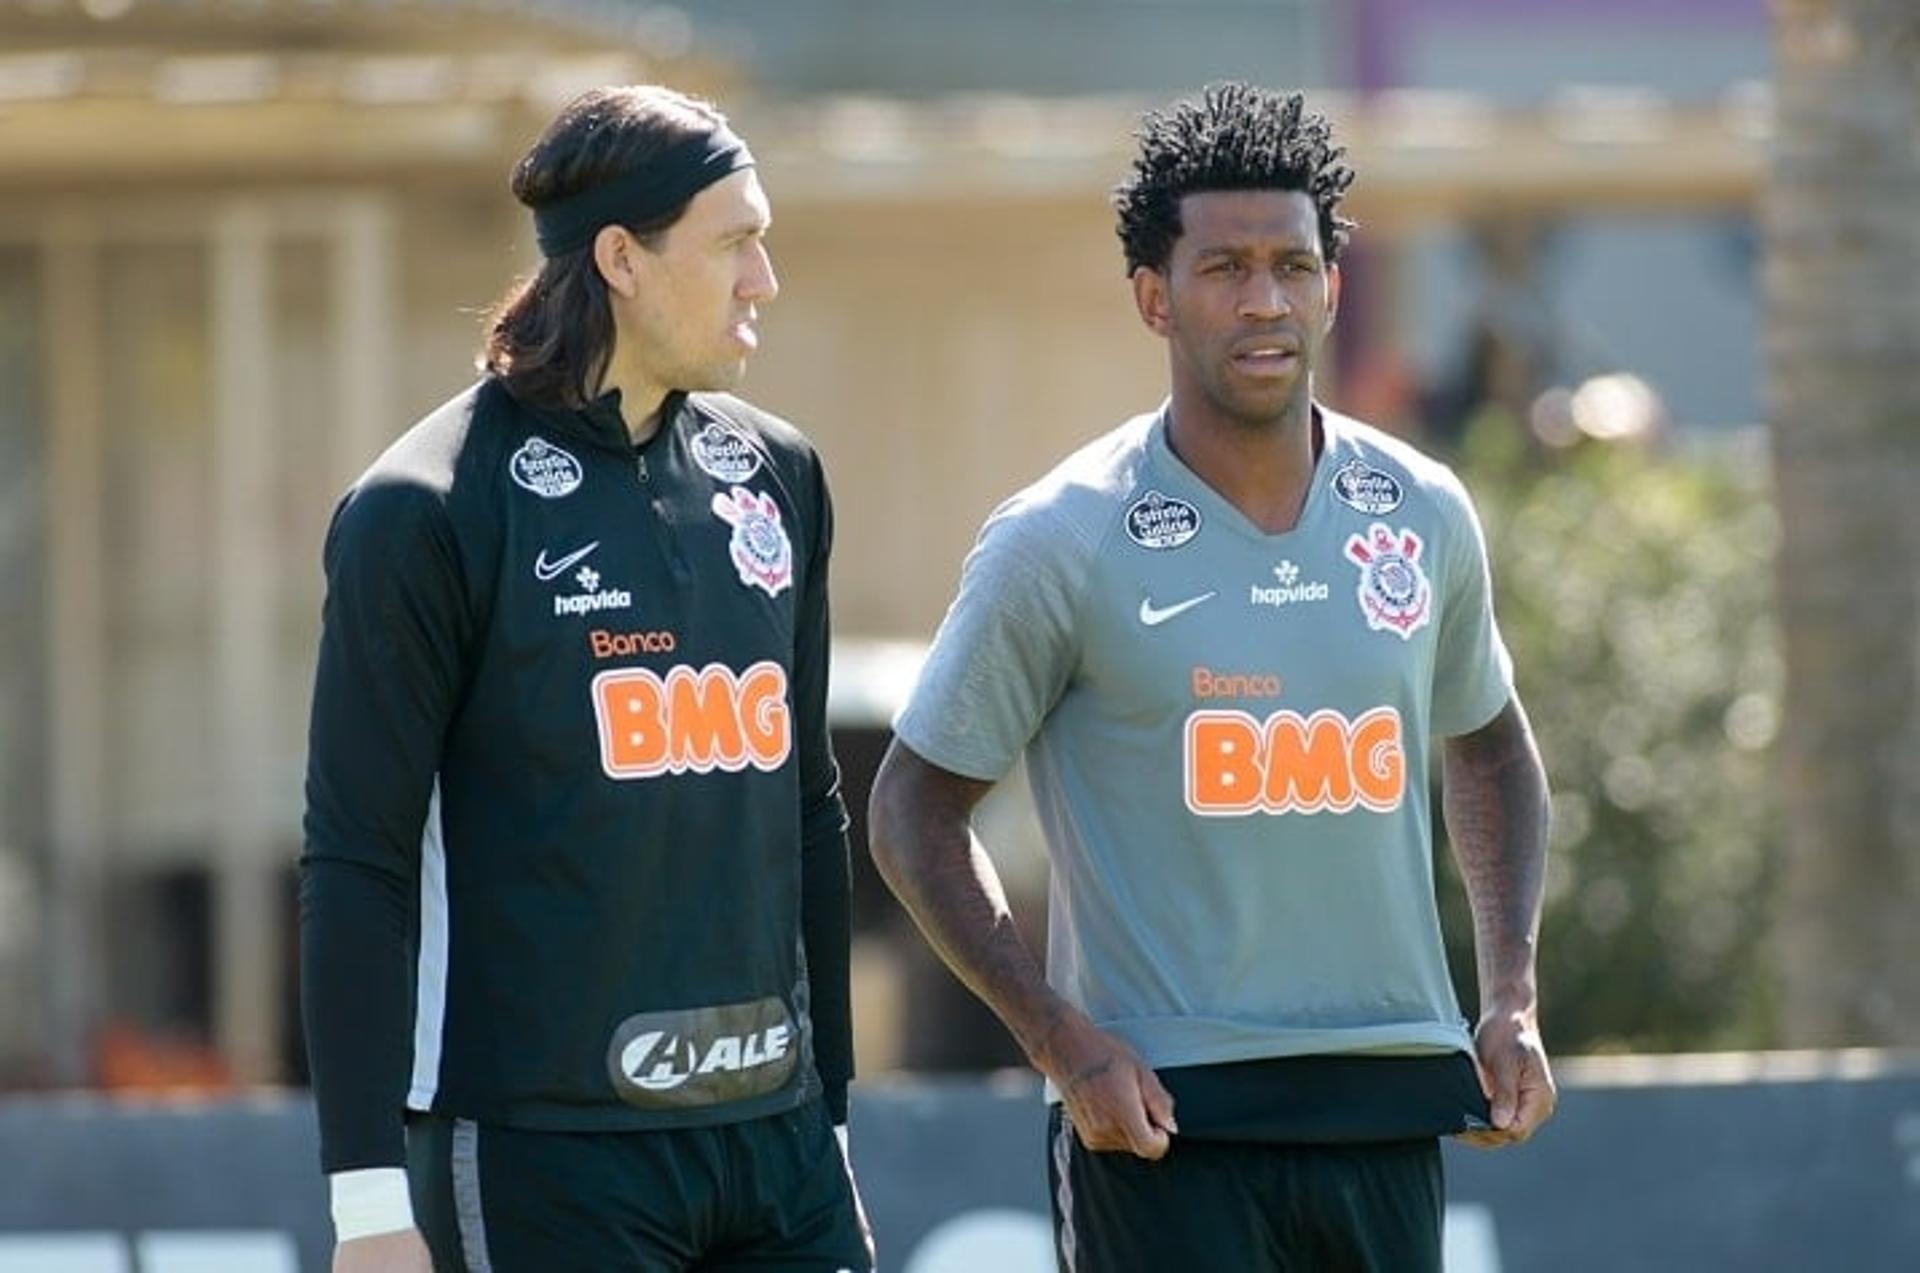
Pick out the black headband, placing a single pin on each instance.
(640, 196)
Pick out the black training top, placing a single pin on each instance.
(574, 835)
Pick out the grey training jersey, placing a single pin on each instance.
(1227, 732)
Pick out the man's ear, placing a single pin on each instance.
(1151, 299)
(616, 256)
(1333, 294)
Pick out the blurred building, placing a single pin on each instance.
(245, 242)
(1664, 287)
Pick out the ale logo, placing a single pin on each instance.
(1289, 763)
(659, 1062)
(692, 721)
(683, 1058)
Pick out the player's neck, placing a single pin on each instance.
(1265, 471)
(640, 397)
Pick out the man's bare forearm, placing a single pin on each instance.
(923, 845)
(1496, 810)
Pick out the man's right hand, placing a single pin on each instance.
(1113, 1099)
(918, 827)
(402, 1251)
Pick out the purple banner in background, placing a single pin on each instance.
(1383, 28)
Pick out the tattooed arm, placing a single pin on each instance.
(923, 844)
(1496, 810)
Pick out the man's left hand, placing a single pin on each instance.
(1515, 1074)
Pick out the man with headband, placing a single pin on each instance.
(574, 901)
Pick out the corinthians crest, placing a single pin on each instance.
(1394, 593)
(761, 551)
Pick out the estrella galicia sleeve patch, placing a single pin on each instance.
(546, 470)
(1161, 521)
(723, 454)
(1367, 489)
(694, 1057)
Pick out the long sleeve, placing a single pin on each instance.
(826, 906)
(393, 631)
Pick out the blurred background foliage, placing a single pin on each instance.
(1634, 587)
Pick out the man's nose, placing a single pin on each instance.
(759, 283)
(1263, 297)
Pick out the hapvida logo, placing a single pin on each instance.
(1288, 589)
(592, 596)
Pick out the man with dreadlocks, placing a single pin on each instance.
(1223, 635)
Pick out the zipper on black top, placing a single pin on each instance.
(666, 527)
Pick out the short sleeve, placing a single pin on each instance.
(1006, 649)
(1473, 673)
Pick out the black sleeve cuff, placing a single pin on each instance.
(826, 914)
(835, 1095)
(356, 994)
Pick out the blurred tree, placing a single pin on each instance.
(1632, 590)
(1843, 285)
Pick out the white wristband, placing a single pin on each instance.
(368, 1201)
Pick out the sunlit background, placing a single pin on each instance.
(244, 243)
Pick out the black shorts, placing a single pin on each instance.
(767, 1193)
(1369, 1207)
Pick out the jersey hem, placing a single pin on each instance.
(556, 1116)
(1167, 1041)
(1181, 1041)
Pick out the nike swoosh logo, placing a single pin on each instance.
(1154, 617)
(547, 571)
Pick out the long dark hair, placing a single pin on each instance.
(549, 337)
